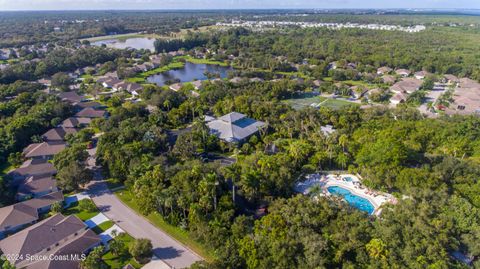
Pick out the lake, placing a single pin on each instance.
(134, 43)
(190, 72)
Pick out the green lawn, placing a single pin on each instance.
(303, 102)
(142, 77)
(202, 61)
(156, 219)
(103, 227)
(335, 103)
(83, 215)
(118, 262)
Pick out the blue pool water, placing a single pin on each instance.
(348, 179)
(354, 200)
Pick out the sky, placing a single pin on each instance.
(231, 4)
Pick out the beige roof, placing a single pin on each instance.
(58, 134)
(403, 72)
(384, 70)
(407, 85)
(68, 232)
(389, 79)
(44, 149)
(176, 87)
(398, 97)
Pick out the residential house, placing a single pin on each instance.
(94, 105)
(466, 98)
(398, 98)
(403, 72)
(197, 84)
(236, 80)
(406, 85)
(45, 202)
(31, 167)
(58, 134)
(384, 70)
(234, 127)
(36, 186)
(450, 79)
(176, 87)
(358, 91)
(109, 82)
(71, 97)
(44, 150)
(56, 236)
(15, 217)
(76, 122)
(387, 79)
(256, 80)
(90, 112)
(421, 74)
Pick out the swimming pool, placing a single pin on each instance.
(352, 199)
(348, 179)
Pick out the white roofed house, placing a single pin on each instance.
(234, 127)
(421, 74)
(384, 70)
(403, 72)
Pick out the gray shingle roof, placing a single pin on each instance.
(36, 184)
(89, 112)
(44, 149)
(234, 127)
(68, 232)
(74, 122)
(58, 134)
(16, 215)
(34, 167)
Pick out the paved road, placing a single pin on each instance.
(165, 248)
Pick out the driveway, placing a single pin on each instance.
(97, 220)
(165, 248)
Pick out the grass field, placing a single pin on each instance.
(303, 102)
(202, 61)
(156, 219)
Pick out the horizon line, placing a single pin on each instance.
(252, 9)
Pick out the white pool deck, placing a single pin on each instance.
(376, 198)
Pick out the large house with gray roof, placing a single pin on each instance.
(234, 127)
(58, 134)
(44, 150)
(56, 236)
(36, 186)
(31, 167)
(15, 217)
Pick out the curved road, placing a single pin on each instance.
(165, 248)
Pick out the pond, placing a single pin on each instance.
(190, 72)
(134, 43)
